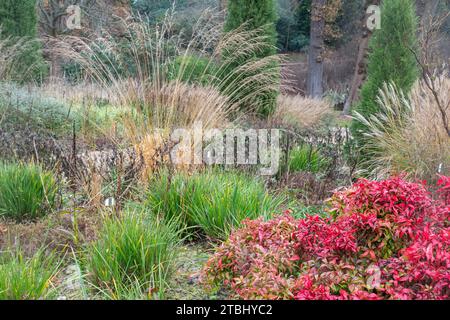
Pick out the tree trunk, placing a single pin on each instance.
(316, 49)
(360, 73)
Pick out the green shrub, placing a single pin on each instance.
(133, 256)
(73, 72)
(212, 203)
(26, 191)
(26, 279)
(19, 105)
(192, 69)
(306, 158)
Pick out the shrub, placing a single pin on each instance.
(133, 256)
(383, 240)
(28, 106)
(444, 188)
(213, 203)
(391, 59)
(256, 260)
(24, 278)
(26, 191)
(192, 69)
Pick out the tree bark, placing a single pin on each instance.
(96, 13)
(316, 49)
(360, 73)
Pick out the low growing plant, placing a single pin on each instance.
(212, 203)
(28, 106)
(408, 134)
(306, 158)
(383, 240)
(133, 256)
(24, 278)
(26, 191)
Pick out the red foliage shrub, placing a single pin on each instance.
(444, 189)
(257, 260)
(382, 240)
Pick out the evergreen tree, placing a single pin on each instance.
(256, 15)
(19, 19)
(391, 59)
(303, 15)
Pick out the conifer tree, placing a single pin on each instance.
(19, 19)
(256, 15)
(391, 59)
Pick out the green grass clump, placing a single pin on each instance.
(132, 258)
(26, 191)
(27, 279)
(212, 203)
(306, 159)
